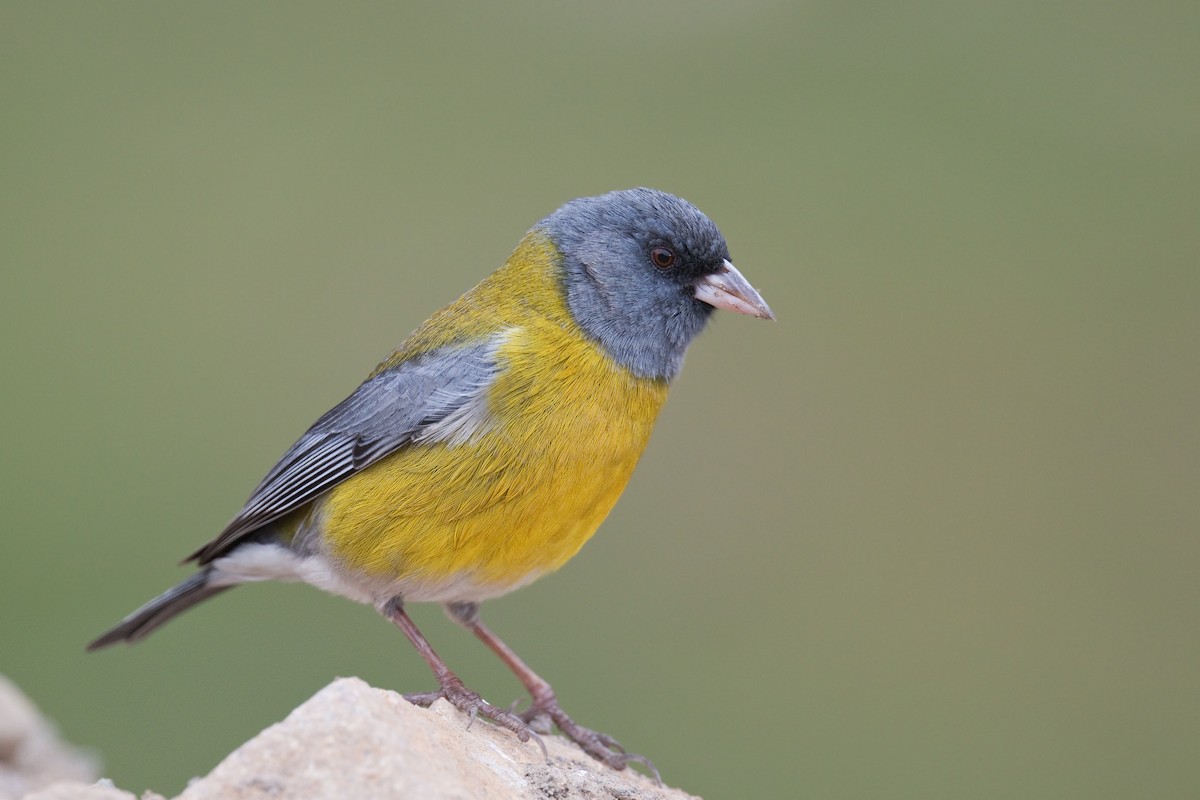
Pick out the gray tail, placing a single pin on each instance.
(166, 606)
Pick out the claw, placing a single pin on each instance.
(538, 720)
(544, 711)
(599, 746)
(611, 743)
(473, 705)
(450, 686)
(424, 699)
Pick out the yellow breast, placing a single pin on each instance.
(482, 517)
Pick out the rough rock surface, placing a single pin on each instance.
(71, 790)
(353, 741)
(31, 753)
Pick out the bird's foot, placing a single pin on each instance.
(600, 746)
(474, 706)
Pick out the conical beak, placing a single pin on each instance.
(727, 289)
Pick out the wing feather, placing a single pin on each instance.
(402, 406)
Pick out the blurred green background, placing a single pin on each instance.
(931, 534)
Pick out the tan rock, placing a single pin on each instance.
(73, 790)
(354, 741)
(31, 753)
(348, 742)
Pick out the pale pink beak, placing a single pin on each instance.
(727, 289)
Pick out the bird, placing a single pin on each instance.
(489, 446)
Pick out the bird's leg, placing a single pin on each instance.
(545, 708)
(450, 685)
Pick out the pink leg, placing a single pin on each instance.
(451, 686)
(545, 707)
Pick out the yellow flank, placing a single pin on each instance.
(569, 425)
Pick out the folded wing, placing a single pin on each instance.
(438, 396)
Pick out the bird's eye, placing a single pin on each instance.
(662, 257)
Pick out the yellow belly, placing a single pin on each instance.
(516, 502)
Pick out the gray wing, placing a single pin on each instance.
(439, 396)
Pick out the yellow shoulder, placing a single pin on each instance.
(527, 288)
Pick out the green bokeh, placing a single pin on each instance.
(931, 534)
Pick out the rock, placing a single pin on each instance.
(347, 741)
(32, 755)
(71, 790)
(353, 741)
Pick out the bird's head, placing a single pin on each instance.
(642, 271)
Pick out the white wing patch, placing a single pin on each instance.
(472, 415)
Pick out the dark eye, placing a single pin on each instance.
(663, 257)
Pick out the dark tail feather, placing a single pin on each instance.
(167, 605)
